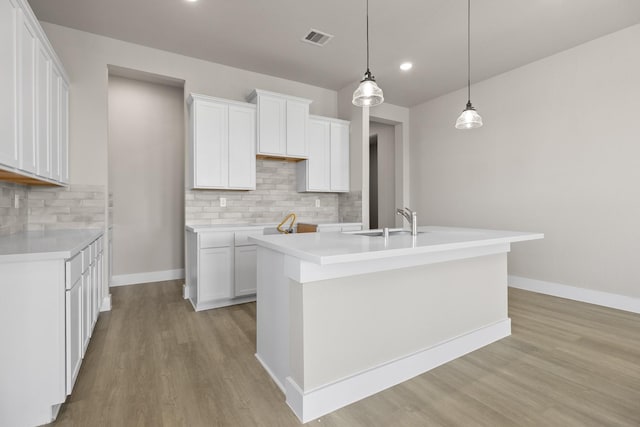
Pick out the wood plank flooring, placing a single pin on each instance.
(153, 361)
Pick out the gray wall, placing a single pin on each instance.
(146, 175)
(559, 154)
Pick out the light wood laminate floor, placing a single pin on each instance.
(153, 361)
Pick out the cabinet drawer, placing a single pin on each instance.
(94, 252)
(73, 270)
(216, 239)
(86, 258)
(242, 237)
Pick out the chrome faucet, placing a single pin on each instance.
(410, 216)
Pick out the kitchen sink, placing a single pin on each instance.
(379, 233)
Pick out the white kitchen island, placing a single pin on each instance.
(343, 316)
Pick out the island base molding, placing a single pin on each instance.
(323, 400)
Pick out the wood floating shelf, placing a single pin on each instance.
(25, 180)
(286, 159)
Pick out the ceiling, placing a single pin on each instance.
(264, 35)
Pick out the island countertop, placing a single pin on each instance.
(335, 248)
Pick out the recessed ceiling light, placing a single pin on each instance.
(406, 66)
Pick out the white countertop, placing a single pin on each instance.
(241, 227)
(44, 245)
(334, 248)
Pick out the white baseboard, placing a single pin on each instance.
(606, 299)
(106, 303)
(152, 276)
(270, 372)
(315, 403)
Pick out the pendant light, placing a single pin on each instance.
(469, 119)
(368, 93)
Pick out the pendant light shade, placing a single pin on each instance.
(368, 94)
(469, 119)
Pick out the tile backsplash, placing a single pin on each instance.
(350, 207)
(274, 197)
(77, 206)
(12, 220)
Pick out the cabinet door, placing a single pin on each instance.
(97, 286)
(211, 144)
(42, 111)
(245, 270)
(73, 333)
(26, 94)
(94, 291)
(63, 123)
(8, 64)
(297, 117)
(318, 165)
(215, 278)
(54, 86)
(242, 147)
(272, 125)
(339, 157)
(86, 310)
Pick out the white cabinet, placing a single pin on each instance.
(282, 124)
(327, 169)
(216, 273)
(34, 100)
(27, 43)
(86, 309)
(221, 144)
(73, 333)
(54, 117)
(63, 123)
(43, 110)
(8, 66)
(221, 267)
(315, 174)
(245, 270)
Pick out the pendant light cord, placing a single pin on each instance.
(367, 35)
(468, 49)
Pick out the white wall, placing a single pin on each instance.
(559, 154)
(146, 175)
(386, 173)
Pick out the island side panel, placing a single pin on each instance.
(272, 315)
(358, 323)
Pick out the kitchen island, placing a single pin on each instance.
(341, 316)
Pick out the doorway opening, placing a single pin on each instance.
(146, 158)
(382, 175)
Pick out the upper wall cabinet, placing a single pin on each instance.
(222, 141)
(327, 169)
(34, 101)
(282, 125)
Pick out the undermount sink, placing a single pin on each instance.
(379, 233)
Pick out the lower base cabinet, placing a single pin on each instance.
(245, 270)
(216, 273)
(48, 308)
(73, 335)
(221, 265)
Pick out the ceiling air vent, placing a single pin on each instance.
(317, 38)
